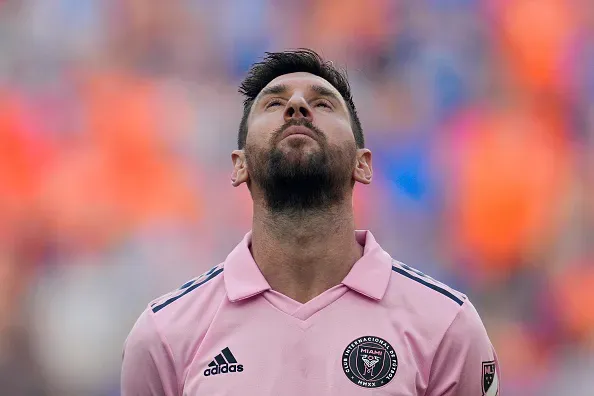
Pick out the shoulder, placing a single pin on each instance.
(159, 348)
(192, 305)
(166, 321)
(191, 291)
(423, 294)
(434, 313)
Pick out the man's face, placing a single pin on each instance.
(300, 149)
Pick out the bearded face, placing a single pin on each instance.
(300, 153)
(295, 178)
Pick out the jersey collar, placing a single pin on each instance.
(369, 276)
(242, 275)
(371, 273)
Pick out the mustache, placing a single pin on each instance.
(299, 122)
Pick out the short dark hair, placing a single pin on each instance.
(276, 64)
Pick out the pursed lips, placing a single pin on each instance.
(298, 130)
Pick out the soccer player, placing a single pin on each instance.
(305, 304)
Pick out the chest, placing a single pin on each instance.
(332, 352)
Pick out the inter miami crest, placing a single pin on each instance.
(369, 362)
(490, 380)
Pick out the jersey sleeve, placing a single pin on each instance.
(148, 367)
(465, 363)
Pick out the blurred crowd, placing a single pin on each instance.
(117, 119)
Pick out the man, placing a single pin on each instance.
(305, 304)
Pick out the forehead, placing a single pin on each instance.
(302, 81)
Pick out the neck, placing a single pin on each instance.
(301, 255)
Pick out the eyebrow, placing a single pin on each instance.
(282, 89)
(274, 90)
(323, 91)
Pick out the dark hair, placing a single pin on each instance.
(276, 64)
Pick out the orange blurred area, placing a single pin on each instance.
(510, 176)
(534, 37)
(334, 21)
(573, 290)
(23, 160)
(121, 175)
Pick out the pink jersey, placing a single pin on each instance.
(387, 329)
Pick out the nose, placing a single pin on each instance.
(297, 108)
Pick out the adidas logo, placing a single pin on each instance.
(223, 363)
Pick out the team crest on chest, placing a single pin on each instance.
(369, 362)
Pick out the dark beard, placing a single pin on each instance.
(315, 183)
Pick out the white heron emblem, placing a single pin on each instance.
(370, 362)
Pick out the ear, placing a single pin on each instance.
(240, 173)
(363, 172)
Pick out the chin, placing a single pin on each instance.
(299, 146)
(298, 156)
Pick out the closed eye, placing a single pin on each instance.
(323, 103)
(272, 103)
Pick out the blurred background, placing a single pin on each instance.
(118, 117)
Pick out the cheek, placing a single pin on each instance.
(261, 130)
(337, 131)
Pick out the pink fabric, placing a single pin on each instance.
(386, 330)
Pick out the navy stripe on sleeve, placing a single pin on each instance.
(428, 284)
(189, 289)
(187, 284)
(190, 282)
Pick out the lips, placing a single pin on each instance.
(298, 130)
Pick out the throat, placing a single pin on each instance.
(303, 274)
(304, 260)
